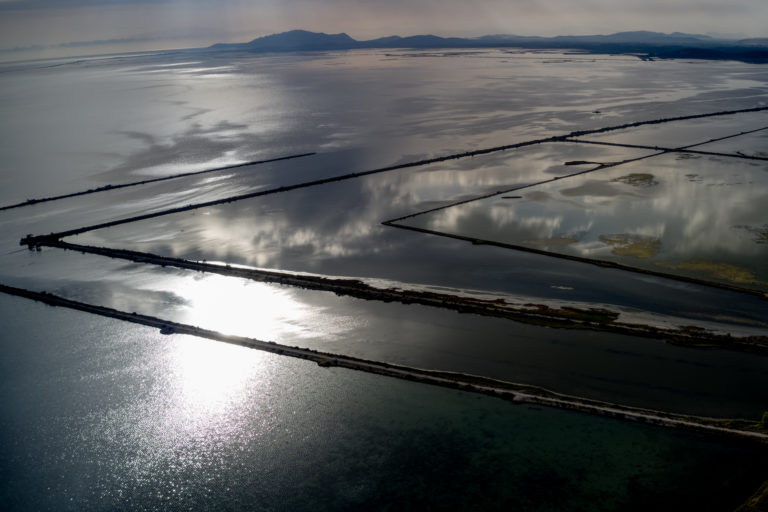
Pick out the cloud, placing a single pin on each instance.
(68, 4)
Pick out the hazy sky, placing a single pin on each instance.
(180, 23)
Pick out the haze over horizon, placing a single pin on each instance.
(65, 27)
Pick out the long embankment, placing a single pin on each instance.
(679, 150)
(107, 188)
(517, 393)
(593, 319)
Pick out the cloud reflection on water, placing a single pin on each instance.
(303, 228)
(691, 216)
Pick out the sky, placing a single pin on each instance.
(124, 25)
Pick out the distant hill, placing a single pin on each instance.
(642, 43)
(295, 40)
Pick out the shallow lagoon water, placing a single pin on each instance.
(166, 113)
(684, 214)
(108, 415)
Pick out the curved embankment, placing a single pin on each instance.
(517, 393)
(419, 163)
(107, 188)
(536, 314)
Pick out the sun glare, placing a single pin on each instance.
(243, 308)
(211, 376)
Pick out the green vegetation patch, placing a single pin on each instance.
(724, 271)
(632, 245)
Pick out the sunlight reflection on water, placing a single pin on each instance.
(211, 377)
(241, 307)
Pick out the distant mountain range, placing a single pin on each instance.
(645, 44)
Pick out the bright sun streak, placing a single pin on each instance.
(244, 308)
(212, 376)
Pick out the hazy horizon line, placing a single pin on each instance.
(195, 43)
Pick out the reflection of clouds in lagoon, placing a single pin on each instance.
(291, 103)
(335, 220)
(336, 228)
(654, 229)
(683, 219)
(194, 148)
(595, 192)
(344, 219)
(323, 229)
(268, 230)
(499, 221)
(703, 217)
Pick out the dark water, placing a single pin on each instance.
(99, 415)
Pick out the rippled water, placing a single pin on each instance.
(101, 416)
